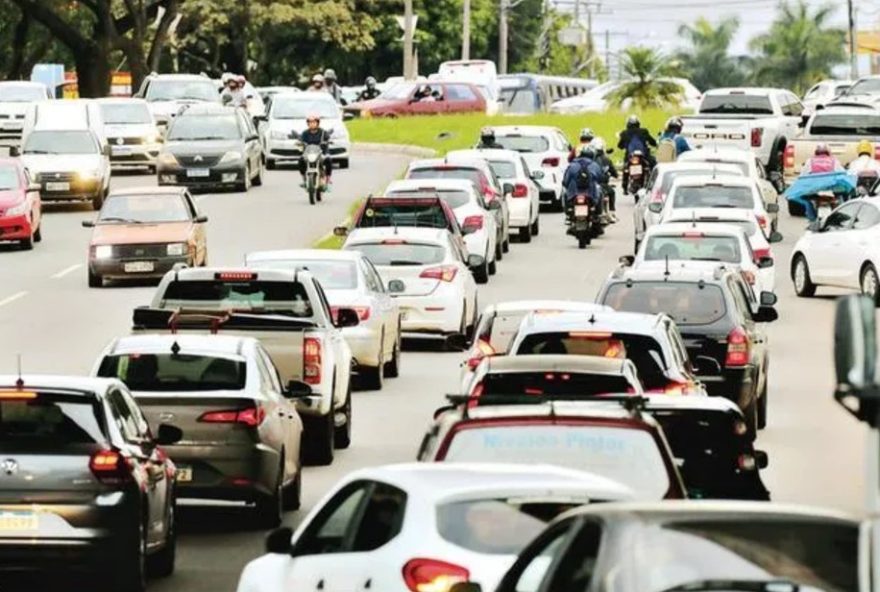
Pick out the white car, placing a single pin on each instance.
(843, 251)
(167, 94)
(716, 243)
(545, 149)
(15, 97)
(349, 280)
(132, 133)
(598, 99)
(287, 120)
(824, 92)
(523, 199)
(427, 273)
(478, 224)
(742, 218)
(422, 527)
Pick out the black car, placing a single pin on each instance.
(211, 146)
(719, 317)
(84, 484)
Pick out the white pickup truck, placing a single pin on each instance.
(288, 312)
(762, 120)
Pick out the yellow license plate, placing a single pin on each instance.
(24, 520)
(184, 474)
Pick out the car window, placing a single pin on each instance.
(688, 303)
(741, 302)
(377, 279)
(331, 530)
(191, 205)
(382, 518)
(459, 92)
(400, 253)
(576, 567)
(123, 416)
(842, 218)
(175, 372)
(274, 380)
(693, 246)
(288, 297)
(523, 144)
(50, 422)
(533, 574)
(334, 274)
(713, 196)
(795, 107)
(266, 384)
(368, 277)
(325, 304)
(867, 217)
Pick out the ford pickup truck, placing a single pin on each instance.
(287, 312)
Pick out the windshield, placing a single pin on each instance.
(735, 103)
(453, 197)
(749, 227)
(522, 101)
(114, 113)
(400, 211)
(205, 127)
(694, 246)
(554, 383)
(713, 196)
(144, 209)
(398, 92)
(688, 303)
(60, 142)
(524, 143)
(401, 253)
(175, 372)
(865, 87)
(8, 178)
(300, 108)
(447, 172)
(289, 298)
(174, 90)
(846, 124)
(670, 176)
(503, 169)
(49, 423)
(333, 275)
(821, 556)
(629, 456)
(21, 93)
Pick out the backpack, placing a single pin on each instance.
(583, 180)
(666, 150)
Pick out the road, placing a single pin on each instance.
(58, 325)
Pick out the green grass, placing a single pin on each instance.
(463, 131)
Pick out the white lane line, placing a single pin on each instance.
(13, 298)
(66, 271)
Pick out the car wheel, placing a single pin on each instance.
(462, 328)
(751, 416)
(499, 249)
(373, 377)
(800, 275)
(392, 368)
(536, 227)
(38, 234)
(292, 499)
(762, 404)
(245, 183)
(481, 273)
(525, 234)
(95, 281)
(268, 508)
(319, 431)
(342, 434)
(870, 284)
(505, 246)
(161, 564)
(258, 180)
(270, 164)
(27, 244)
(493, 267)
(129, 569)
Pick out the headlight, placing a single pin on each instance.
(88, 174)
(103, 252)
(152, 138)
(176, 249)
(313, 157)
(279, 135)
(167, 158)
(18, 210)
(231, 157)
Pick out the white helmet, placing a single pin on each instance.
(598, 143)
(226, 77)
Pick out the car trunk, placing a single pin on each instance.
(411, 275)
(184, 411)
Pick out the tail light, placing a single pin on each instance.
(110, 467)
(432, 575)
(444, 273)
(757, 136)
(581, 200)
(312, 360)
(746, 462)
(740, 428)
(550, 161)
(673, 388)
(788, 156)
(737, 349)
(482, 350)
(761, 253)
(472, 223)
(363, 312)
(520, 190)
(657, 196)
(762, 221)
(635, 159)
(250, 416)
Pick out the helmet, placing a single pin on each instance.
(329, 74)
(598, 144)
(822, 148)
(633, 122)
(241, 79)
(588, 151)
(865, 147)
(318, 78)
(587, 135)
(370, 82)
(313, 117)
(487, 134)
(675, 124)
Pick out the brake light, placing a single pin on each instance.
(788, 157)
(17, 396)
(482, 350)
(762, 221)
(520, 190)
(581, 200)
(675, 388)
(312, 360)
(109, 467)
(235, 276)
(550, 161)
(250, 416)
(393, 241)
(761, 253)
(363, 312)
(472, 223)
(432, 575)
(588, 335)
(757, 136)
(692, 234)
(746, 462)
(444, 273)
(877, 152)
(737, 349)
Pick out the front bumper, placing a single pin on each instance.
(436, 314)
(520, 212)
(363, 341)
(288, 151)
(15, 228)
(218, 175)
(69, 189)
(234, 472)
(134, 155)
(136, 267)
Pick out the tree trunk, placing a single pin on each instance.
(93, 72)
(19, 46)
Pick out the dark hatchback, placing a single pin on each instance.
(84, 485)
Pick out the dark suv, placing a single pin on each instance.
(83, 483)
(719, 317)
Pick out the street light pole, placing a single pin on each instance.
(853, 58)
(408, 73)
(466, 30)
(502, 36)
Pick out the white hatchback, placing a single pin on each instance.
(545, 149)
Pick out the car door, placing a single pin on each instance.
(831, 244)
(341, 353)
(383, 303)
(199, 235)
(860, 244)
(251, 141)
(289, 420)
(32, 198)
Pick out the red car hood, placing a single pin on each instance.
(11, 197)
(131, 234)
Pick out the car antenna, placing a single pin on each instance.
(666, 273)
(175, 348)
(19, 383)
(693, 220)
(592, 319)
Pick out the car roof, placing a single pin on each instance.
(707, 180)
(202, 109)
(377, 234)
(155, 76)
(148, 190)
(219, 344)
(599, 408)
(720, 154)
(679, 228)
(208, 273)
(600, 321)
(460, 162)
(845, 108)
(58, 381)
(554, 363)
(688, 214)
(428, 184)
(530, 305)
(524, 129)
(487, 153)
(120, 101)
(310, 254)
(689, 165)
(752, 90)
(682, 274)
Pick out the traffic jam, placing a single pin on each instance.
(607, 441)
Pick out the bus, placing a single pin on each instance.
(524, 94)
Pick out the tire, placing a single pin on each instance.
(392, 368)
(525, 234)
(245, 184)
(869, 283)
(98, 200)
(751, 417)
(320, 443)
(318, 193)
(536, 226)
(130, 567)
(161, 564)
(311, 190)
(95, 281)
(481, 274)
(268, 509)
(493, 267)
(27, 244)
(271, 164)
(258, 180)
(342, 434)
(292, 494)
(38, 234)
(800, 276)
(372, 378)
(583, 241)
(499, 250)
(762, 405)
(505, 246)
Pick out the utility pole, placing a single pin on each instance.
(853, 57)
(502, 36)
(466, 30)
(408, 73)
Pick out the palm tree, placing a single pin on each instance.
(647, 81)
(707, 61)
(800, 48)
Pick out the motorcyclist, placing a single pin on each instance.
(370, 91)
(331, 86)
(671, 143)
(314, 134)
(822, 161)
(585, 138)
(487, 140)
(636, 138)
(233, 94)
(317, 82)
(865, 163)
(583, 175)
(609, 171)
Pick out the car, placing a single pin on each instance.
(865, 89)
(670, 243)
(68, 164)
(650, 198)
(545, 150)
(719, 317)
(21, 209)
(742, 218)
(350, 280)
(15, 96)
(839, 251)
(269, 92)
(823, 93)
(481, 233)
(611, 438)
(422, 98)
(68, 114)
(523, 199)
(601, 98)
(131, 131)
(144, 232)
(428, 275)
(242, 430)
(286, 120)
(167, 94)
(651, 341)
(211, 146)
(689, 545)
(106, 488)
(435, 523)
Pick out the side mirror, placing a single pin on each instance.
(765, 314)
(396, 287)
(537, 175)
(655, 207)
(278, 541)
(34, 187)
(297, 390)
(761, 459)
(707, 366)
(168, 434)
(804, 120)
(88, 223)
(508, 188)
(855, 346)
(772, 208)
(775, 237)
(340, 231)
(494, 204)
(474, 261)
(457, 342)
(768, 298)
(14, 151)
(627, 260)
(347, 317)
(765, 262)
(201, 219)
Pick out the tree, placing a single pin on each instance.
(707, 62)
(800, 48)
(646, 82)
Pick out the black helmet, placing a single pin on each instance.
(370, 82)
(675, 125)
(487, 135)
(633, 122)
(587, 135)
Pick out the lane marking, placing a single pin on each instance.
(66, 271)
(13, 298)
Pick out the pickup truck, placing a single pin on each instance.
(840, 127)
(286, 310)
(762, 120)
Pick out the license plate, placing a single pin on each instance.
(635, 169)
(184, 474)
(19, 520)
(139, 266)
(582, 210)
(198, 172)
(57, 186)
(120, 150)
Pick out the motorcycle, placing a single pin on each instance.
(866, 183)
(582, 220)
(636, 172)
(314, 158)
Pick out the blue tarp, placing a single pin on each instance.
(838, 182)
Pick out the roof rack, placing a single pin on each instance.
(633, 404)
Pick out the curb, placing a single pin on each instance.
(405, 149)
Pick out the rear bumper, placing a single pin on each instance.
(218, 175)
(15, 228)
(228, 472)
(520, 212)
(436, 314)
(114, 269)
(363, 341)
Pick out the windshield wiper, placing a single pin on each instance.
(779, 585)
(705, 259)
(118, 219)
(39, 152)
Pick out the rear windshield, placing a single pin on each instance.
(739, 104)
(749, 227)
(289, 298)
(49, 422)
(503, 169)
(554, 383)
(865, 87)
(524, 143)
(170, 372)
(447, 172)
(846, 124)
(401, 253)
(671, 176)
(496, 526)
(196, 128)
(21, 93)
(695, 247)
(709, 196)
(688, 303)
(426, 214)
(452, 197)
(190, 90)
(627, 455)
(333, 275)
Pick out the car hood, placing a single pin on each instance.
(130, 234)
(13, 108)
(10, 198)
(187, 148)
(129, 130)
(38, 163)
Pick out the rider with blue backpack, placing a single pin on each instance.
(583, 177)
(636, 139)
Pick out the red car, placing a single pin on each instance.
(422, 98)
(20, 205)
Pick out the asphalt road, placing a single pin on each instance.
(58, 325)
